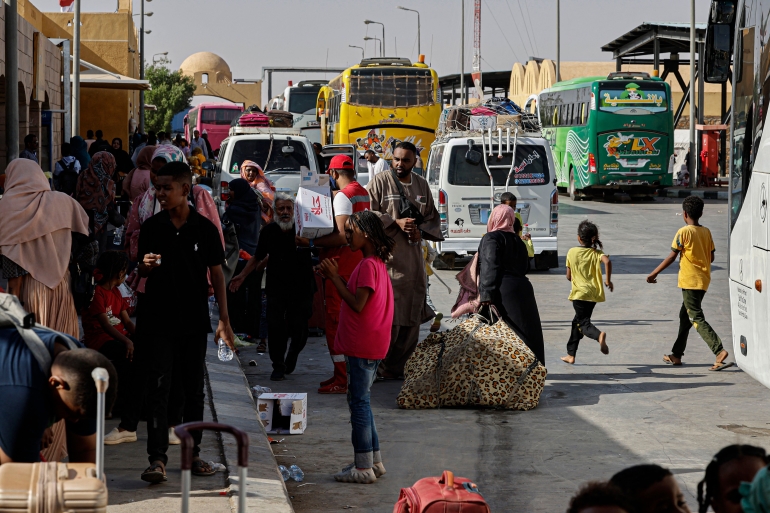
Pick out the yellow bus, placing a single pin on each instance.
(380, 102)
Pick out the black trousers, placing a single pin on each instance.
(175, 368)
(581, 325)
(115, 351)
(286, 318)
(245, 305)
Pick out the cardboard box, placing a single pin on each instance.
(508, 121)
(307, 178)
(313, 216)
(283, 413)
(483, 123)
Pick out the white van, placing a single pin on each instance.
(459, 170)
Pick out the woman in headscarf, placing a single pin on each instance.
(80, 151)
(123, 166)
(252, 173)
(95, 192)
(503, 265)
(138, 180)
(244, 210)
(146, 206)
(196, 160)
(35, 244)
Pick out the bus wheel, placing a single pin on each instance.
(573, 194)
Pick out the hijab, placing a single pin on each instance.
(245, 211)
(37, 223)
(169, 153)
(262, 185)
(138, 180)
(96, 189)
(144, 160)
(502, 219)
(245, 197)
(123, 162)
(80, 151)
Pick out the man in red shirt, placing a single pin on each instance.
(351, 197)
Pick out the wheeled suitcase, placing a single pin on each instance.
(280, 118)
(187, 444)
(317, 323)
(254, 119)
(445, 494)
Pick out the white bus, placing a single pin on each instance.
(300, 100)
(736, 50)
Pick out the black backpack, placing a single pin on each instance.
(67, 180)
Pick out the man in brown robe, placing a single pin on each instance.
(406, 267)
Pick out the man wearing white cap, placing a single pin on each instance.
(205, 136)
(199, 142)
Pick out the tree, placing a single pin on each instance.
(171, 92)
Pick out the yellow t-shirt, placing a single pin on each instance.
(527, 243)
(695, 245)
(585, 264)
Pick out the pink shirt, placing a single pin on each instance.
(367, 334)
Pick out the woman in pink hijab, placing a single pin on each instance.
(35, 245)
(138, 180)
(252, 173)
(502, 282)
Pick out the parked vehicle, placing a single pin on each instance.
(280, 151)
(467, 172)
(330, 150)
(215, 118)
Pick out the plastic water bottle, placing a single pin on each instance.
(296, 473)
(212, 301)
(225, 353)
(284, 472)
(117, 238)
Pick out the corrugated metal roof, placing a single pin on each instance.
(672, 37)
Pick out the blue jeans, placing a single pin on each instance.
(366, 444)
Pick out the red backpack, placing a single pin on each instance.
(443, 494)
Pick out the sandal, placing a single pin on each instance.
(667, 359)
(155, 473)
(201, 468)
(718, 366)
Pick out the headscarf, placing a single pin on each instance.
(245, 197)
(96, 190)
(197, 151)
(144, 160)
(502, 219)
(138, 180)
(262, 185)
(37, 223)
(123, 162)
(169, 153)
(756, 495)
(245, 210)
(80, 151)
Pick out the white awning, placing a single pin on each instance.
(96, 77)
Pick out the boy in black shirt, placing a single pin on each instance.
(176, 249)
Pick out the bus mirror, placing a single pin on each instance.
(719, 51)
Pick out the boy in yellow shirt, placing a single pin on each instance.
(508, 198)
(695, 247)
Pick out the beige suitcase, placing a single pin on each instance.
(51, 488)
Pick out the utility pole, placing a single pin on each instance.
(462, 54)
(141, 64)
(76, 71)
(11, 79)
(476, 73)
(693, 163)
(558, 40)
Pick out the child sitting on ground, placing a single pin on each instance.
(695, 248)
(585, 272)
(107, 326)
(363, 336)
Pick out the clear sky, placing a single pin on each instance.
(250, 34)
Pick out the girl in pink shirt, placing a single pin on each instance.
(363, 335)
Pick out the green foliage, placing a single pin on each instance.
(171, 93)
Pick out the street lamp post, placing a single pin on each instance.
(141, 62)
(418, 26)
(382, 51)
(363, 55)
(76, 70)
(376, 39)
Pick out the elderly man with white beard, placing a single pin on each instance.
(289, 289)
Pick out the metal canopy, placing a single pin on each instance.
(494, 81)
(671, 38)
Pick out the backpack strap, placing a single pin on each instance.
(13, 315)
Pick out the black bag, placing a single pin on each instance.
(67, 180)
(407, 209)
(83, 258)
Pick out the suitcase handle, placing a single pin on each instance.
(241, 438)
(448, 478)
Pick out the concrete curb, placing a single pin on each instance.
(700, 193)
(232, 404)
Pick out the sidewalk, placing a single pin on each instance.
(228, 400)
(716, 193)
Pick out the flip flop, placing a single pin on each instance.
(669, 361)
(154, 474)
(201, 468)
(721, 365)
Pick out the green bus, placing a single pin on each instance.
(624, 142)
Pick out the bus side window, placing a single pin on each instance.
(555, 116)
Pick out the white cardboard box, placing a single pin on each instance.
(484, 123)
(308, 178)
(276, 409)
(313, 212)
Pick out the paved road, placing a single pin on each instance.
(594, 418)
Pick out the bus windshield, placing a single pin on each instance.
(302, 101)
(531, 168)
(390, 87)
(219, 116)
(258, 150)
(632, 99)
